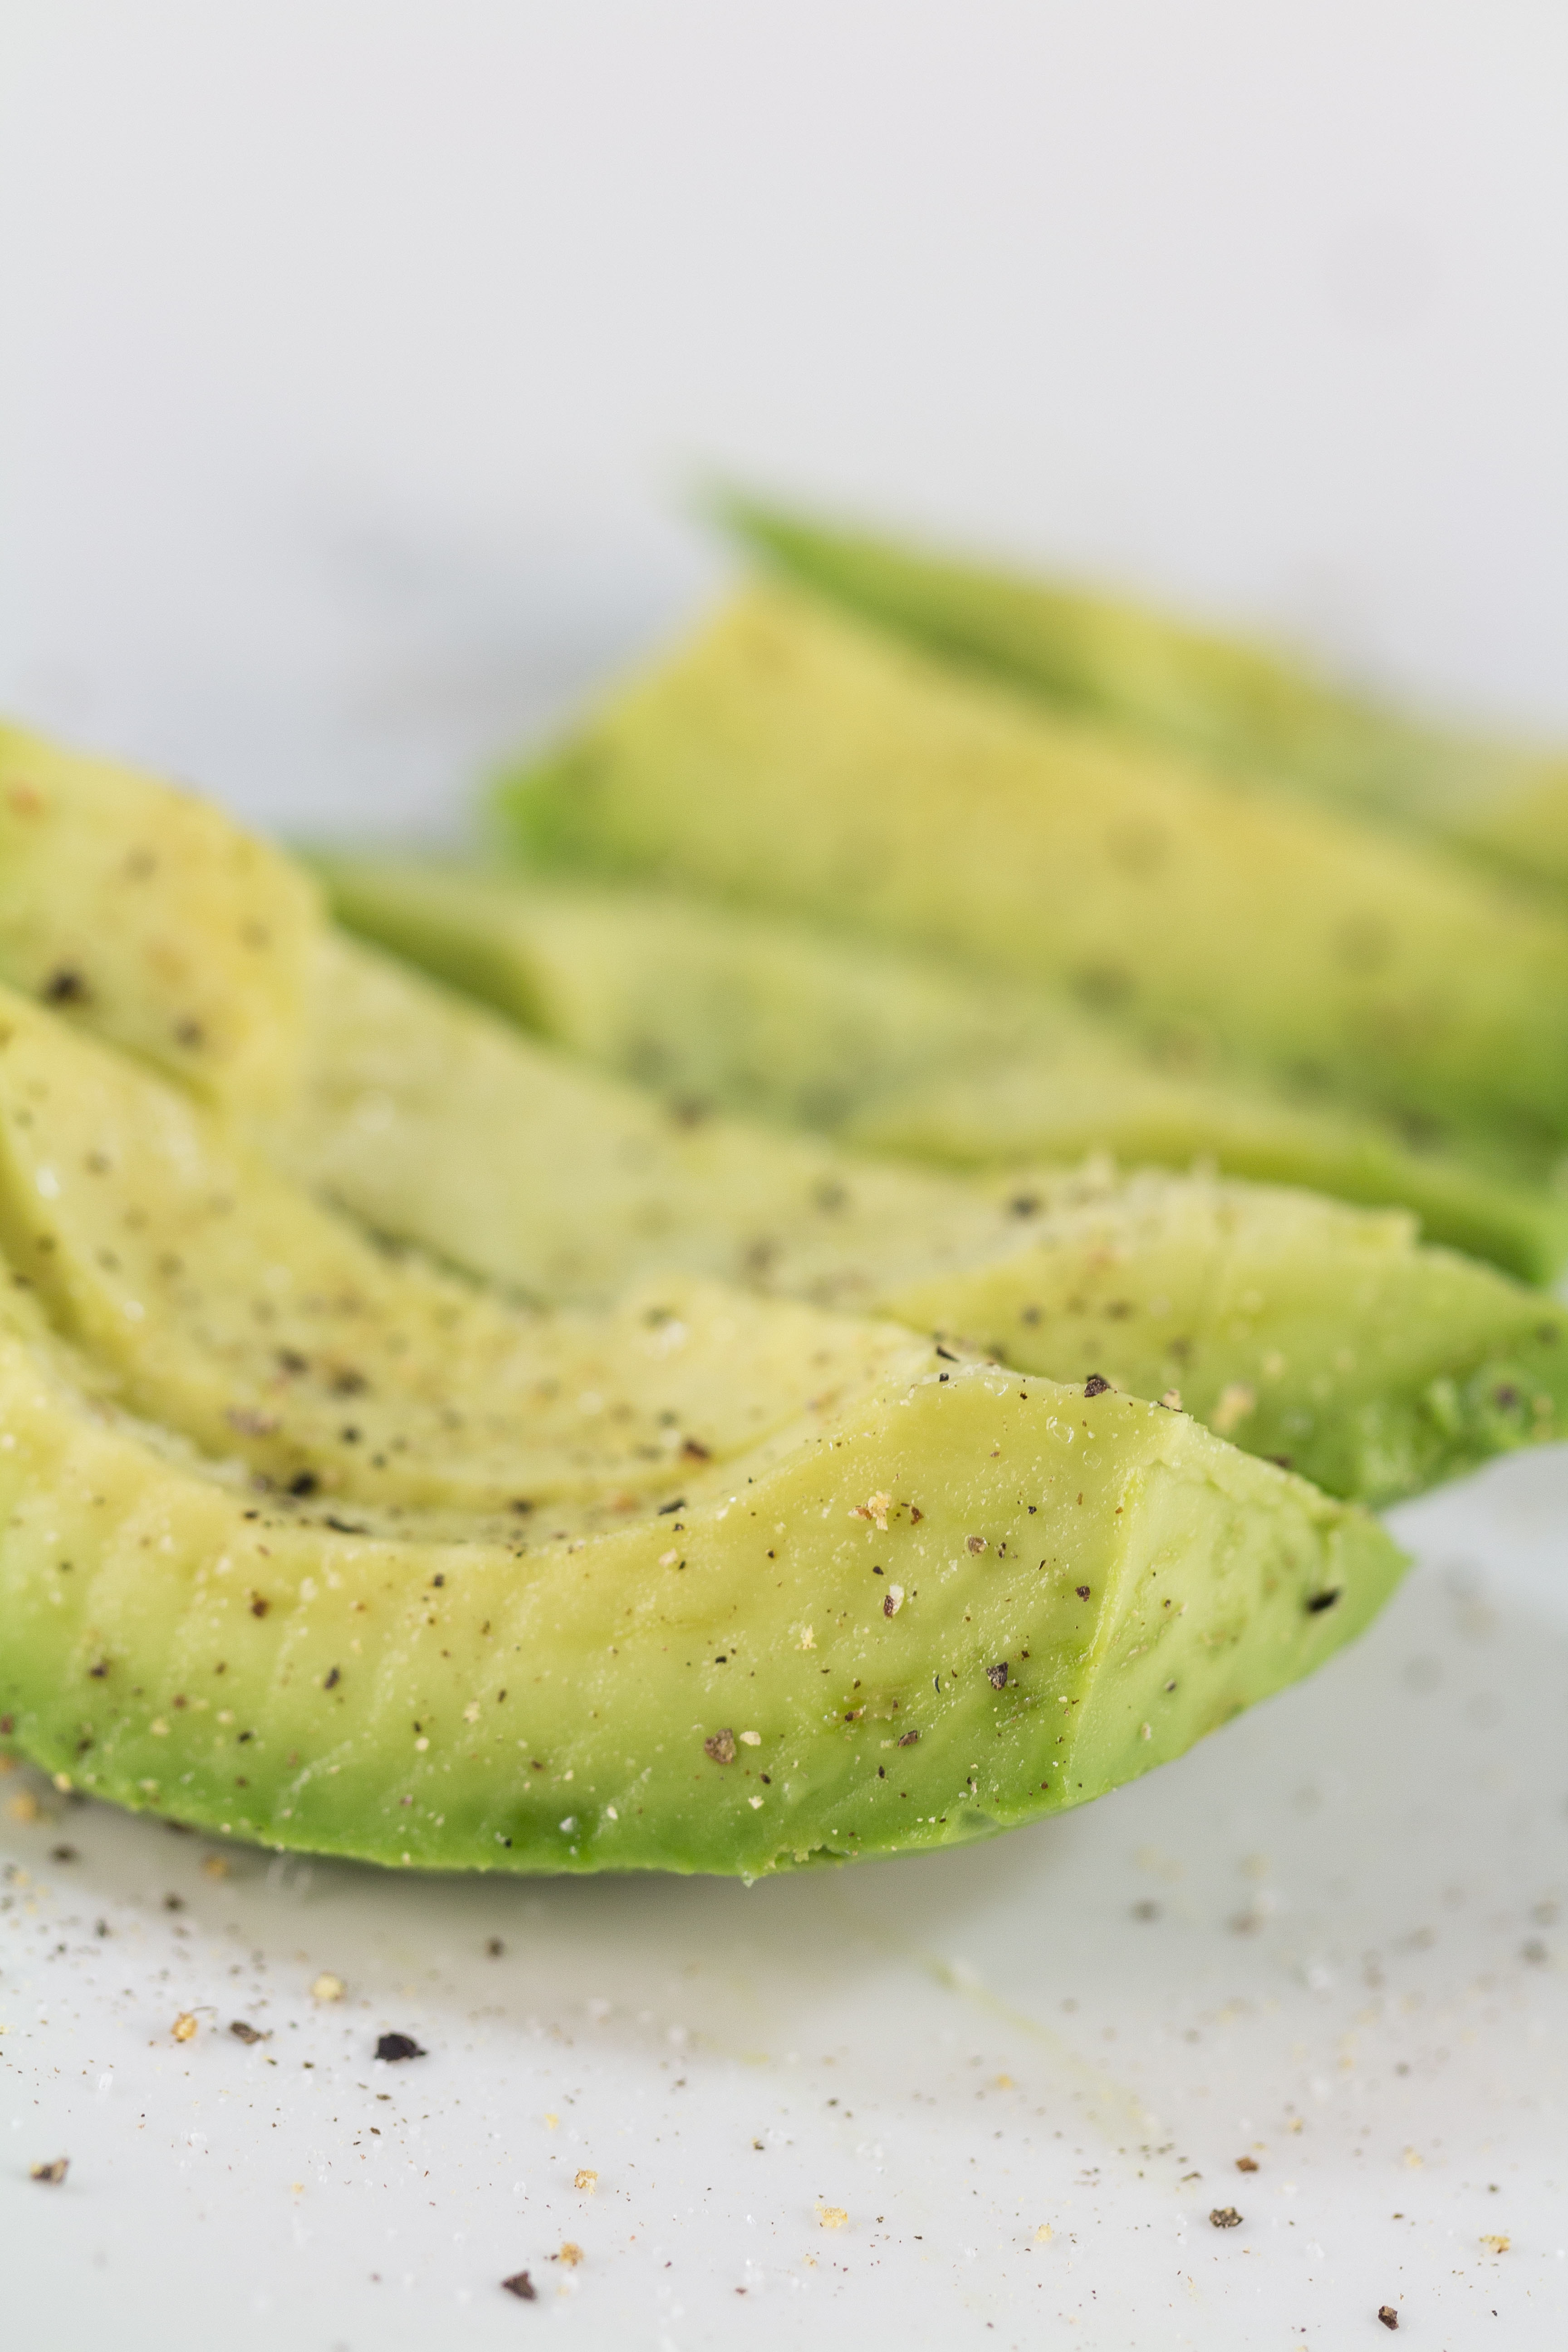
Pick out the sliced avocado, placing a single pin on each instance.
(1248, 707)
(214, 1298)
(892, 1051)
(977, 1601)
(441, 1127)
(436, 1122)
(1376, 1365)
(1322, 1337)
(142, 913)
(795, 760)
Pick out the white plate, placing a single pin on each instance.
(1331, 1940)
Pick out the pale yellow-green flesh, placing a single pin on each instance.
(794, 759)
(144, 914)
(470, 1705)
(892, 1052)
(1263, 714)
(1316, 1333)
(1313, 1334)
(217, 1300)
(434, 1121)
(1086, 1585)
(391, 1391)
(1390, 1365)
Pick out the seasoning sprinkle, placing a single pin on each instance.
(393, 2048)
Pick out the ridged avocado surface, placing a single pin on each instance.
(977, 1601)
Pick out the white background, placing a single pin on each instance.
(357, 364)
(360, 355)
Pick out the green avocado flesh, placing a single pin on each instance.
(891, 1052)
(1376, 1366)
(1299, 1327)
(310, 1538)
(908, 1633)
(144, 914)
(435, 1122)
(441, 1671)
(1222, 698)
(214, 1298)
(809, 763)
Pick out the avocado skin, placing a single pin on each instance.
(1263, 714)
(793, 759)
(892, 1053)
(467, 1706)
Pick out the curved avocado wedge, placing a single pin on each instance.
(1322, 1337)
(1245, 706)
(434, 1121)
(792, 758)
(892, 1052)
(979, 1601)
(144, 913)
(1376, 1365)
(213, 1298)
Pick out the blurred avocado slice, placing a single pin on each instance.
(1224, 698)
(890, 1051)
(1302, 1328)
(795, 759)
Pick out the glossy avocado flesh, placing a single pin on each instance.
(892, 1052)
(905, 1634)
(792, 758)
(1248, 707)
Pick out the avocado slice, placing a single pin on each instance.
(142, 913)
(888, 1051)
(1089, 1581)
(906, 1633)
(433, 1121)
(1380, 1366)
(1322, 1337)
(1222, 698)
(1377, 1366)
(795, 760)
(214, 1298)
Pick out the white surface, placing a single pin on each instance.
(1358, 1974)
(354, 359)
(358, 352)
